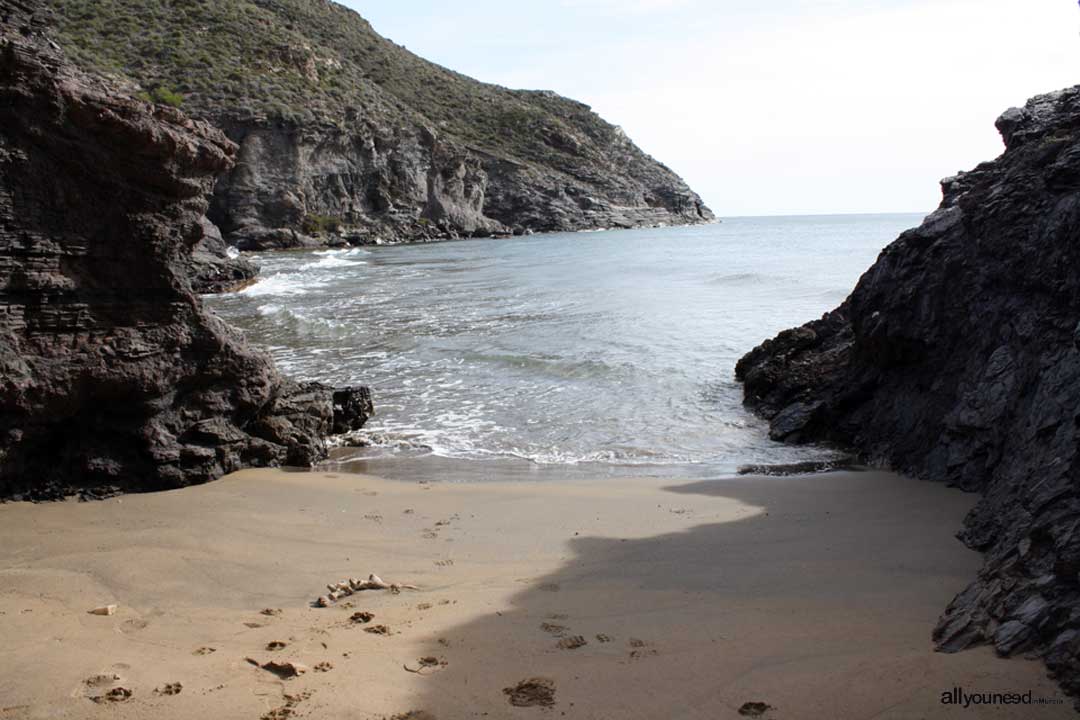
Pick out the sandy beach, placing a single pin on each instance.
(636, 598)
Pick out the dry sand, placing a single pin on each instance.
(815, 595)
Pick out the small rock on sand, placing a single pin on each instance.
(534, 692)
(270, 612)
(283, 669)
(754, 709)
(103, 610)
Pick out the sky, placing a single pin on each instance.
(771, 107)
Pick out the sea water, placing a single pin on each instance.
(608, 352)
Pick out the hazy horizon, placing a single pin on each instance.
(796, 107)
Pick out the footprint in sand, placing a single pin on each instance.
(534, 692)
(276, 645)
(640, 648)
(551, 587)
(101, 680)
(133, 625)
(554, 629)
(169, 689)
(116, 695)
(93, 686)
(572, 643)
(601, 637)
(288, 710)
(378, 630)
(204, 651)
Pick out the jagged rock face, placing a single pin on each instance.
(111, 372)
(413, 185)
(346, 137)
(957, 358)
(291, 181)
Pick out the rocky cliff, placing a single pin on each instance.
(345, 136)
(111, 372)
(957, 358)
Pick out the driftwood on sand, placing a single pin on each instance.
(346, 588)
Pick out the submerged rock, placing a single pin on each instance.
(111, 372)
(955, 359)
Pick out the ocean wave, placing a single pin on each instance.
(298, 320)
(551, 365)
(739, 279)
(335, 259)
(283, 284)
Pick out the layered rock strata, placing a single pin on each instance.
(112, 374)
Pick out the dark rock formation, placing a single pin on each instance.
(957, 358)
(213, 267)
(346, 137)
(111, 372)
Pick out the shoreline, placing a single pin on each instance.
(814, 594)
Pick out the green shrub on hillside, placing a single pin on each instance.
(317, 224)
(163, 96)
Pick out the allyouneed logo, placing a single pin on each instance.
(958, 696)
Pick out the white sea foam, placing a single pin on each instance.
(332, 261)
(283, 284)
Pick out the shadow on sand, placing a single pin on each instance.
(820, 605)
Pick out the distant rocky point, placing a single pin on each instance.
(346, 137)
(957, 358)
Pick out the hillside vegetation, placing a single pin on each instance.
(347, 136)
(309, 61)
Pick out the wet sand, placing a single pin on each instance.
(636, 598)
